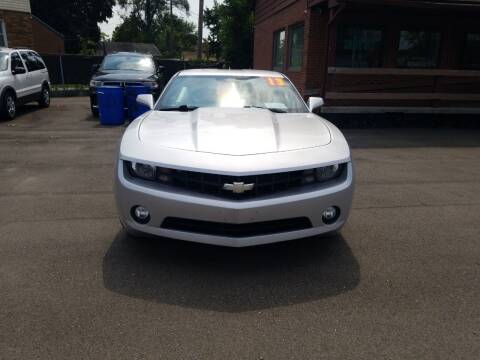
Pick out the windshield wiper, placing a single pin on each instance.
(181, 108)
(275, 110)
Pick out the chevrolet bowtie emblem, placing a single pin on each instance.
(238, 187)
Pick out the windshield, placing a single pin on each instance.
(128, 62)
(3, 61)
(190, 92)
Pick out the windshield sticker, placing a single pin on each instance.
(276, 81)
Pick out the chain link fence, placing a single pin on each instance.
(78, 69)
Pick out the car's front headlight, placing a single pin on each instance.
(94, 83)
(143, 171)
(327, 172)
(149, 172)
(322, 174)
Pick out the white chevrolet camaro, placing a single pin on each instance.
(232, 158)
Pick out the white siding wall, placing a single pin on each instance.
(15, 5)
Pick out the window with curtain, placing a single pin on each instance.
(295, 47)
(359, 46)
(278, 50)
(418, 49)
(471, 54)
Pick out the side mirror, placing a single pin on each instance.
(19, 70)
(95, 67)
(145, 99)
(314, 103)
(160, 69)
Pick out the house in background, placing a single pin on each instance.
(16, 24)
(419, 56)
(19, 29)
(46, 40)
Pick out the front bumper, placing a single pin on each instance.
(166, 203)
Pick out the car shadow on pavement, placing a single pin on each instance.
(226, 279)
(23, 111)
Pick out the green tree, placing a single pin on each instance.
(130, 31)
(232, 23)
(76, 20)
(178, 37)
(212, 22)
(171, 34)
(149, 15)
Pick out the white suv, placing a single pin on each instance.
(23, 78)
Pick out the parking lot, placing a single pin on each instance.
(402, 281)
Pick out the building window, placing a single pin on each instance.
(278, 50)
(418, 49)
(472, 51)
(3, 34)
(359, 46)
(295, 47)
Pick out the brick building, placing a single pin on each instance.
(15, 24)
(375, 55)
(19, 29)
(46, 40)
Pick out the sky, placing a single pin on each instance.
(116, 20)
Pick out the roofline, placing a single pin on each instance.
(327, 4)
(439, 4)
(48, 26)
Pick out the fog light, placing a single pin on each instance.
(141, 214)
(330, 215)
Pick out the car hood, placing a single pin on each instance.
(124, 76)
(233, 131)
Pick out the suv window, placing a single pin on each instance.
(3, 61)
(33, 61)
(16, 61)
(40, 62)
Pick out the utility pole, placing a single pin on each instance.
(170, 30)
(200, 30)
(148, 20)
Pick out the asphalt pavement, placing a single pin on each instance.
(402, 281)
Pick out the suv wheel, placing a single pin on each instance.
(9, 106)
(44, 101)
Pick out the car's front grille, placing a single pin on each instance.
(231, 187)
(236, 230)
(122, 83)
(227, 186)
(236, 187)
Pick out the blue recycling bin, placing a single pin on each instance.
(135, 109)
(111, 105)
